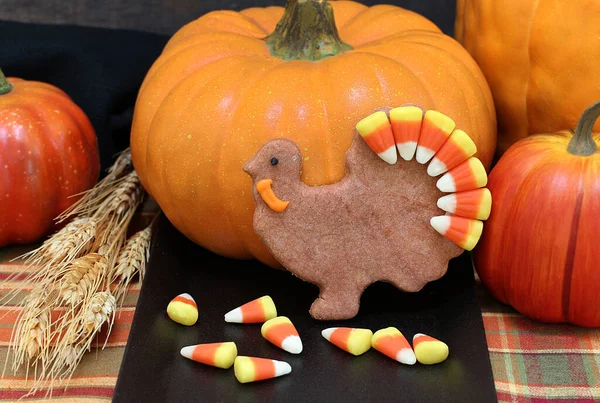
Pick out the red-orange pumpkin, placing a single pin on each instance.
(228, 82)
(539, 251)
(48, 152)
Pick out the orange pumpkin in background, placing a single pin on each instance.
(48, 153)
(540, 58)
(230, 81)
(539, 250)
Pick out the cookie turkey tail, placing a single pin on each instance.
(431, 137)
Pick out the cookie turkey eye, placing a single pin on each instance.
(274, 161)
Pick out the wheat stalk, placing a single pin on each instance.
(131, 260)
(83, 277)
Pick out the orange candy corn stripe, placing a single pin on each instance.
(256, 311)
(376, 130)
(464, 232)
(468, 175)
(393, 344)
(457, 149)
(219, 355)
(406, 126)
(252, 369)
(435, 130)
(281, 332)
(185, 300)
(475, 204)
(354, 341)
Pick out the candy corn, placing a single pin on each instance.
(464, 232)
(457, 149)
(392, 343)
(220, 355)
(429, 350)
(468, 175)
(376, 130)
(354, 341)
(281, 332)
(406, 126)
(252, 369)
(183, 309)
(257, 311)
(470, 204)
(435, 130)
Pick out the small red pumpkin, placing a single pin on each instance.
(539, 251)
(48, 152)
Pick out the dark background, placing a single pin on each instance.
(102, 68)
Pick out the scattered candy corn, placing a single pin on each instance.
(468, 175)
(219, 355)
(429, 350)
(464, 232)
(376, 130)
(256, 311)
(252, 369)
(281, 332)
(354, 341)
(457, 149)
(470, 204)
(435, 130)
(183, 309)
(406, 126)
(392, 343)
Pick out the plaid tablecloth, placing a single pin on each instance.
(532, 362)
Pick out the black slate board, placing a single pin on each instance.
(153, 371)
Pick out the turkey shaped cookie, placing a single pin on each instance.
(384, 221)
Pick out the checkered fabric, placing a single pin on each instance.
(532, 362)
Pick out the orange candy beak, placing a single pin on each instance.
(266, 193)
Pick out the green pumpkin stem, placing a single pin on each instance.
(583, 142)
(306, 31)
(5, 86)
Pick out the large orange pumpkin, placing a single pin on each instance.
(230, 81)
(48, 153)
(540, 58)
(539, 251)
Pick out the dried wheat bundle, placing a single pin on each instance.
(131, 261)
(66, 308)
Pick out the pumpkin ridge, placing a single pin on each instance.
(330, 137)
(571, 249)
(421, 81)
(146, 149)
(350, 20)
(242, 91)
(529, 62)
(178, 49)
(489, 100)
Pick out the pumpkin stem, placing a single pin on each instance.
(582, 142)
(306, 31)
(5, 86)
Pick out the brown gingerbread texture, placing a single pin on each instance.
(373, 225)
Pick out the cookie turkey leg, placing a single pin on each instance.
(337, 301)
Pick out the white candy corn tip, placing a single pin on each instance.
(441, 225)
(407, 150)
(447, 203)
(406, 356)
(328, 332)
(292, 344)
(234, 316)
(188, 351)
(282, 368)
(187, 296)
(436, 167)
(424, 154)
(418, 334)
(446, 184)
(389, 155)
